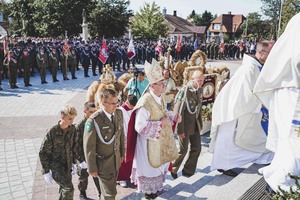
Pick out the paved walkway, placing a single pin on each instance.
(25, 115)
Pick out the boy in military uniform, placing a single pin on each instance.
(57, 153)
(89, 109)
(103, 143)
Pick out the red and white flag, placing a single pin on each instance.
(5, 44)
(158, 48)
(103, 56)
(130, 50)
(178, 44)
(66, 49)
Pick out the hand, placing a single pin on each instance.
(94, 174)
(122, 159)
(83, 165)
(182, 135)
(177, 118)
(48, 177)
(74, 169)
(165, 121)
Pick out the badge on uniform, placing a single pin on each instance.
(88, 126)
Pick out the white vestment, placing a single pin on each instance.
(237, 137)
(278, 88)
(148, 179)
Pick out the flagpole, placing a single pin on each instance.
(279, 23)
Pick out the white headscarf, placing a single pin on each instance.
(282, 68)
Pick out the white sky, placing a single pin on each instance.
(185, 7)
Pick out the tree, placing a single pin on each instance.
(4, 8)
(54, 18)
(149, 23)
(207, 18)
(21, 12)
(201, 20)
(290, 8)
(110, 18)
(271, 9)
(257, 27)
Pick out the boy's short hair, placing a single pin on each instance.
(132, 99)
(68, 110)
(89, 104)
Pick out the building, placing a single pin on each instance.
(183, 28)
(226, 24)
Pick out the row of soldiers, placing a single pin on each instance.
(225, 50)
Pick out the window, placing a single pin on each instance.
(217, 26)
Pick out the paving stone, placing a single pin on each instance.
(3, 191)
(15, 188)
(20, 193)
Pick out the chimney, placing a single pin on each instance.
(229, 12)
(164, 12)
(175, 13)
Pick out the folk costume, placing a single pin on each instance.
(237, 134)
(150, 144)
(278, 88)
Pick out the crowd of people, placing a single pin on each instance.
(24, 57)
(255, 119)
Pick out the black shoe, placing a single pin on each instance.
(174, 175)
(228, 172)
(83, 196)
(45, 82)
(56, 80)
(150, 196)
(95, 74)
(1, 88)
(86, 76)
(74, 77)
(186, 174)
(16, 86)
(65, 79)
(29, 84)
(42, 82)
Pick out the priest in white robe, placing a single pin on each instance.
(278, 89)
(239, 121)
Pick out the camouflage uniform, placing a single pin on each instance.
(57, 154)
(82, 173)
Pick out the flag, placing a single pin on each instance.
(158, 48)
(5, 45)
(66, 49)
(130, 50)
(103, 56)
(196, 44)
(178, 44)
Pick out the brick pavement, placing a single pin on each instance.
(25, 115)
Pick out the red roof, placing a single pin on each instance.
(230, 23)
(178, 25)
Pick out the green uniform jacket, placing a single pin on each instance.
(79, 140)
(103, 154)
(58, 149)
(191, 123)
